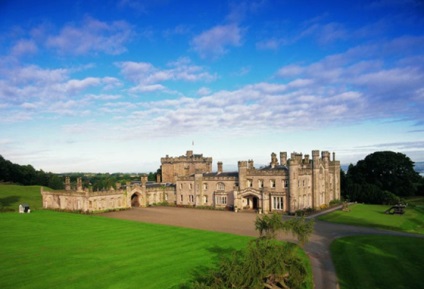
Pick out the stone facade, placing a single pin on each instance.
(285, 185)
(173, 167)
(133, 194)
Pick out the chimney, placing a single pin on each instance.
(274, 161)
(219, 167)
(283, 158)
(189, 153)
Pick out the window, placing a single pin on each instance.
(249, 183)
(205, 199)
(205, 186)
(221, 200)
(190, 186)
(272, 183)
(181, 186)
(181, 198)
(166, 197)
(277, 203)
(285, 183)
(191, 198)
(220, 186)
(260, 183)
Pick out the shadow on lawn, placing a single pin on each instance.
(374, 257)
(199, 274)
(6, 202)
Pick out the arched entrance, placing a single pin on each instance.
(250, 202)
(135, 200)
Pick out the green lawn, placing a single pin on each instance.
(13, 195)
(47, 249)
(379, 262)
(373, 216)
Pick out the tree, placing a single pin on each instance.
(266, 262)
(387, 171)
(268, 227)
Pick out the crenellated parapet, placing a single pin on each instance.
(188, 157)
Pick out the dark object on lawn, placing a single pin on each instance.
(24, 208)
(396, 209)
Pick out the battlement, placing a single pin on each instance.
(188, 157)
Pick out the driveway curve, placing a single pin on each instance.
(318, 248)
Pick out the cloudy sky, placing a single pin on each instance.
(113, 86)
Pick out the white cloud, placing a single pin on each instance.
(24, 47)
(142, 88)
(203, 91)
(92, 36)
(215, 41)
(148, 77)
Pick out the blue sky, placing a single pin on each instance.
(113, 86)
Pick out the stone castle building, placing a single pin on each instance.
(285, 185)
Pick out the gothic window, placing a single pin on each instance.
(221, 186)
(260, 183)
(277, 203)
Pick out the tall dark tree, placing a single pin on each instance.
(381, 178)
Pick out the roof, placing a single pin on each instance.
(229, 174)
(275, 168)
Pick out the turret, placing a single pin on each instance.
(219, 167)
(242, 170)
(79, 185)
(67, 184)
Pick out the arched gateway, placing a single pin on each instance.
(136, 199)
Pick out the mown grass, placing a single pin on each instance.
(13, 195)
(378, 262)
(48, 249)
(373, 216)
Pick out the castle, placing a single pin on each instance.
(285, 185)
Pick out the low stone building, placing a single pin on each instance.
(285, 185)
(133, 194)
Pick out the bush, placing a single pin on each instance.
(266, 263)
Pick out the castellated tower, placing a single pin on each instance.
(188, 164)
(242, 173)
(294, 168)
